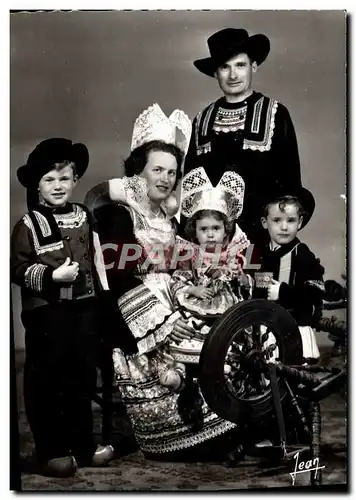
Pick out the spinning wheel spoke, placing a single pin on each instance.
(235, 381)
(242, 341)
(243, 369)
(265, 335)
(256, 336)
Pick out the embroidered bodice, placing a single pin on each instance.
(155, 234)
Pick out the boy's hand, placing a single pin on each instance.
(244, 281)
(273, 289)
(67, 272)
(201, 292)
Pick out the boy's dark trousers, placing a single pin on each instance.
(63, 349)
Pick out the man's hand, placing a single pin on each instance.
(67, 272)
(273, 289)
(181, 331)
(201, 291)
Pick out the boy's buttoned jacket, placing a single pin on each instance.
(41, 241)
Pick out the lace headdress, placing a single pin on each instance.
(199, 194)
(152, 124)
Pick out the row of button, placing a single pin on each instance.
(60, 223)
(81, 239)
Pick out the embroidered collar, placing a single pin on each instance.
(258, 127)
(44, 224)
(208, 116)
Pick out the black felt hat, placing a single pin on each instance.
(304, 196)
(228, 43)
(49, 152)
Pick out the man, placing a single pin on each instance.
(244, 131)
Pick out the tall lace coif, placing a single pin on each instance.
(199, 194)
(153, 124)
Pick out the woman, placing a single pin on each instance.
(162, 421)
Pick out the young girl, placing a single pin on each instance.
(290, 273)
(52, 260)
(211, 281)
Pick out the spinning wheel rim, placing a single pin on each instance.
(214, 385)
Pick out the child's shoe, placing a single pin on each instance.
(60, 467)
(102, 456)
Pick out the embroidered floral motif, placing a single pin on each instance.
(230, 120)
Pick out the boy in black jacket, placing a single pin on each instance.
(52, 260)
(290, 273)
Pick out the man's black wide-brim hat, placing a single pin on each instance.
(49, 152)
(229, 42)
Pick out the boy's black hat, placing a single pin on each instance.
(49, 152)
(227, 43)
(304, 196)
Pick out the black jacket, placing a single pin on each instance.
(264, 153)
(40, 242)
(302, 288)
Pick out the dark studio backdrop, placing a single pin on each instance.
(88, 75)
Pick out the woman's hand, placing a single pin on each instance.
(201, 291)
(181, 331)
(67, 272)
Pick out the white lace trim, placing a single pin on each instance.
(142, 320)
(199, 194)
(152, 232)
(71, 220)
(43, 223)
(265, 144)
(153, 124)
(38, 248)
(151, 342)
(184, 441)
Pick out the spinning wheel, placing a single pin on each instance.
(247, 373)
(233, 375)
